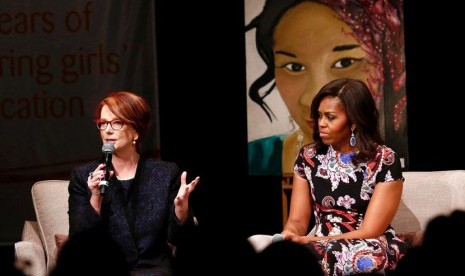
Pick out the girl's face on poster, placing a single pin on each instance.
(312, 47)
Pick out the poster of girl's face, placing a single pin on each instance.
(294, 47)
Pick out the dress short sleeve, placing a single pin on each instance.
(304, 159)
(390, 167)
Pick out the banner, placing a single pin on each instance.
(58, 60)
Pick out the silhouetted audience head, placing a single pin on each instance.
(286, 258)
(214, 254)
(91, 252)
(439, 254)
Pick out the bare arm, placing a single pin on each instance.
(380, 212)
(300, 209)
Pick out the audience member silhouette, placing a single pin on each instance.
(91, 252)
(439, 253)
(286, 258)
(213, 254)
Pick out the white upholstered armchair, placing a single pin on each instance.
(37, 251)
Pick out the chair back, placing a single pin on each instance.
(427, 194)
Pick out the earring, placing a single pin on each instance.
(352, 139)
(134, 142)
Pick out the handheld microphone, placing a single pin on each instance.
(107, 150)
(277, 237)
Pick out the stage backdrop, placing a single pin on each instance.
(304, 49)
(58, 59)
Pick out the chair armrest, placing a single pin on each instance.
(29, 253)
(259, 241)
(413, 239)
(30, 258)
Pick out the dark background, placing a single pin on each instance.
(201, 63)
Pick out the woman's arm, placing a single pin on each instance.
(380, 212)
(300, 209)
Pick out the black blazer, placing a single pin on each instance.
(141, 221)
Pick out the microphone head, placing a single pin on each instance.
(277, 237)
(108, 148)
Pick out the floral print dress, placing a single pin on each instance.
(340, 193)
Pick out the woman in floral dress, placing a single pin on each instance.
(350, 181)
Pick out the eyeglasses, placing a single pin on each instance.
(115, 124)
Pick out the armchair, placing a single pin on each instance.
(36, 253)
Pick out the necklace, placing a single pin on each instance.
(341, 158)
(346, 157)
